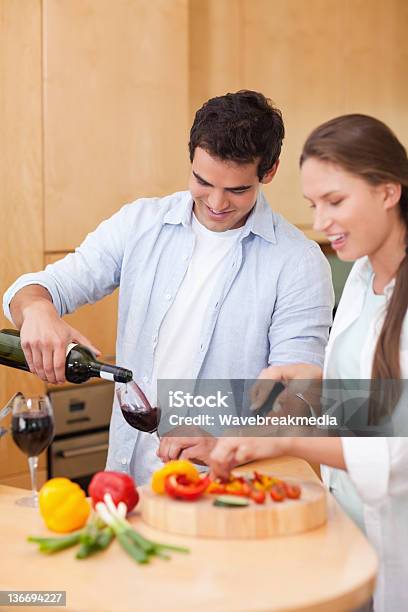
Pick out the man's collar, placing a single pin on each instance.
(181, 212)
(259, 222)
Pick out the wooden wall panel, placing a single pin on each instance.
(215, 58)
(315, 59)
(292, 52)
(21, 244)
(116, 109)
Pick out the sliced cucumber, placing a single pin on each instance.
(230, 501)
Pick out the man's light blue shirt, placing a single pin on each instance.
(272, 306)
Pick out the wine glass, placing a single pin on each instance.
(136, 408)
(32, 428)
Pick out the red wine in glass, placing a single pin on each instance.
(136, 408)
(143, 420)
(32, 432)
(32, 428)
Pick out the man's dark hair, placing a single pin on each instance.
(240, 127)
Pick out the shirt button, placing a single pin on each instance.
(145, 379)
(123, 461)
(185, 257)
(168, 296)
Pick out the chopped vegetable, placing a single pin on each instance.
(120, 486)
(230, 501)
(63, 505)
(180, 486)
(178, 466)
(181, 480)
(292, 491)
(278, 493)
(258, 496)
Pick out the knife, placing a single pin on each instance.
(270, 400)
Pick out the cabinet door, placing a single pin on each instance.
(115, 109)
(314, 59)
(21, 244)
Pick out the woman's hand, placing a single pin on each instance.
(230, 452)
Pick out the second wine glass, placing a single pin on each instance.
(32, 428)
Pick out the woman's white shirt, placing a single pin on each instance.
(375, 488)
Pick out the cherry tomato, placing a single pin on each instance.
(278, 493)
(258, 496)
(292, 491)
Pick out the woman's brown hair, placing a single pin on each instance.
(366, 147)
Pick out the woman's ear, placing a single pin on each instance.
(392, 193)
(270, 174)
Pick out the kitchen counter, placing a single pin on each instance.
(330, 568)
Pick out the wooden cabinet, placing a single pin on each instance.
(21, 244)
(314, 59)
(116, 109)
(93, 114)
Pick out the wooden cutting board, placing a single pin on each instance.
(202, 519)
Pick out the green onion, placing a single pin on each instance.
(137, 546)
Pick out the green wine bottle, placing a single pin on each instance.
(80, 365)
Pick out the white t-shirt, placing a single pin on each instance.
(180, 332)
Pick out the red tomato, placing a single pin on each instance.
(258, 496)
(292, 491)
(278, 493)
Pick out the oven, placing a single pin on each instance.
(80, 445)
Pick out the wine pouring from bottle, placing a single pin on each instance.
(80, 364)
(136, 408)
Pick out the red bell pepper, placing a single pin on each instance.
(120, 486)
(180, 486)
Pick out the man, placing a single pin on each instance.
(213, 284)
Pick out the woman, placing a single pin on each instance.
(354, 172)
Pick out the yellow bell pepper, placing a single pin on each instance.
(177, 466)
(63, 505)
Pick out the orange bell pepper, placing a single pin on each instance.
(177, 466)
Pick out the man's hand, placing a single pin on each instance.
(44, 335)
(231, 452)
(301, 373)
(195, 448)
